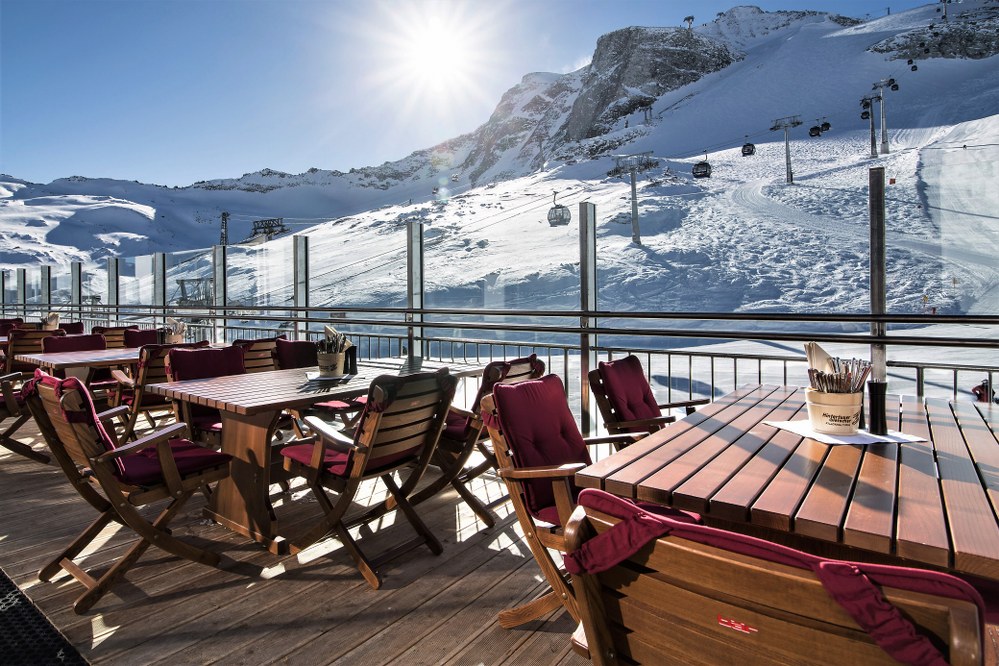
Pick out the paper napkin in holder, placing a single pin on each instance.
(333, 354)
(175, 331)
(50, 322)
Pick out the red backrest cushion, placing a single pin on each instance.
(628, 390)
(135, 337)
(295, 353)
(203, 363)
(66, 343)
(73, 327)
(540, 430)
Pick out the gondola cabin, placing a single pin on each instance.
(815, 131)
(748, 149)
(559, 216)
(701, 170)
(825, 127)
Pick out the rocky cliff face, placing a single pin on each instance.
(632, 67)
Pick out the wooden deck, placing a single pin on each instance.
(313, 608)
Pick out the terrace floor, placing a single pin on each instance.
(313, 608)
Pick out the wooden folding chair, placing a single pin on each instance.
(117, 480)
(258, 353)
(114, 336)
(626, 401)
(303, 354)
(652, 590)
(395, 436)
(25, 341)
(464, 434)
(185, 363)
(99, 381)
(539, 449)
(151, 369)
(12, 407)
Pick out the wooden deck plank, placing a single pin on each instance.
(172, 610)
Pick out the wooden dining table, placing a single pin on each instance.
(251, 405)
(90, 358)
(932, 503)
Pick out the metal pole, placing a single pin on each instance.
(874, 140)
(884, 126)
(414, 290)
(300, 258)
(636, 235)
(876, 178)
(787, 154)
(588, 303)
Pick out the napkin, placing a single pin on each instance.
(335, 342)
(817, 357)
(177, 328)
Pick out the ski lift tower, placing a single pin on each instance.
(785, 124)
(634, 164)
(880, 86)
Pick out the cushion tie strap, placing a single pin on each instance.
(616, 545)
(884, 623)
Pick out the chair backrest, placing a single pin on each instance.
(258, 354)
(508, 372)
(114, 335)
(152, 365)
(538, 430)
(67, 418)
(7, 324)
(136, 337)
(622, 393)
(203, 363)
(26, 341)
(401, 422)
(73, 327)
(67, 343)
(728, 598)
(295, 354)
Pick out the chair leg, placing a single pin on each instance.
(532, 610)
(407, 509)
(8, 442)
(76, 547)
(362, 563)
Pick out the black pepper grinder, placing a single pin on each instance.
(878, 421)
(351, 360)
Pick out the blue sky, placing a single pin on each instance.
(175, 91)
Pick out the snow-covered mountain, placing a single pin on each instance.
(743, 239)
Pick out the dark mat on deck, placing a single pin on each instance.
(26, 635)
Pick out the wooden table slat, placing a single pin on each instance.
(921, 525)
(681, 440)
(975, 543)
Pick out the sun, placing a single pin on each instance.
(433, 55)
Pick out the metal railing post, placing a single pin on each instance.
(300, 258)
(588, 304)
(45, 289)
(22, 291)
(159, 286)
(76, 289)
(878, 328)
(114, 269)
(414, 287)
(219, 295)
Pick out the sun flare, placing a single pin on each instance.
(433, 55)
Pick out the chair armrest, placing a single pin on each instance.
(123, 378)
(461, 411)
(113, 413)
(165, 434)
(657, 421)
(687, 404)
(562, 471)
(619, 441)
(332, 436)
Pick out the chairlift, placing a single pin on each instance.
(702, 169)
(748, 149)
(815, 131)
(559, 215)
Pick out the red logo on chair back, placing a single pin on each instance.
(738, 626)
